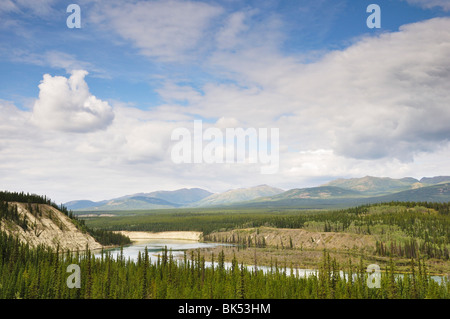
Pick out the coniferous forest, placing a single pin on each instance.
(42, 273)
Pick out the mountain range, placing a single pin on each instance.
(337, 193)
(238, 195)
(154, 200)
(385, 185)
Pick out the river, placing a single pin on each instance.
(155, 247)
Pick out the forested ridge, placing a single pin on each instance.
(8, 211)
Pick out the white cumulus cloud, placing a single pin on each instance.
(65, 104)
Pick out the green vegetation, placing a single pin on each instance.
(376, 185)
(331, 197)
(403, 229)
(238, 195)
(204, 220)
(9, 211)
(408, 236)
(41, 273)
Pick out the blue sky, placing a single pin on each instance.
(120, 72)
(349, 101)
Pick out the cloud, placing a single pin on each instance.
(394, 93)
(8, 6)
(378, 107)
(132, 148)
(54, 59)
(165, 30)
(65, 104)
(58, 59)
(40, 8)
(173, 92)
(229, 35)
(385, 96)
(428, 4)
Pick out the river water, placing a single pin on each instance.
(155, 247)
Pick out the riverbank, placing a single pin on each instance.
(138, 236)
(311, 258)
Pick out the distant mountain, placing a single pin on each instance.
(238, 195)
(132, 203)
(321, 192)
(433, 193)
(140, 201)
(435, 180)
(181, 196)
(335, 197)
(377, 185)
(81, 204)
(337, 193)
(313, 197)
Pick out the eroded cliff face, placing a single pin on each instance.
(48, 226)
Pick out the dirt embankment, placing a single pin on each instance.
(50, 227)
(299, 247)
(294, 238)
(144, 235)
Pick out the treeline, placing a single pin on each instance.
(106, 237)
(206, 222)
(41, 273)
(411, 249)
(331, 220)
(246, 241)
(9, 212)
(22, 197)
(393, 224)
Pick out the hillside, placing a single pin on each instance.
(314, 197)
(132, 203)
(322, 192)
(435, 180)
(376, 185)
(335, 197)
(141, 201)
(82, 204)
(298, 238)
(434, 193)
(42, 224)
(238, 195)
(179, 197)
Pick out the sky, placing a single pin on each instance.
(88, 113)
